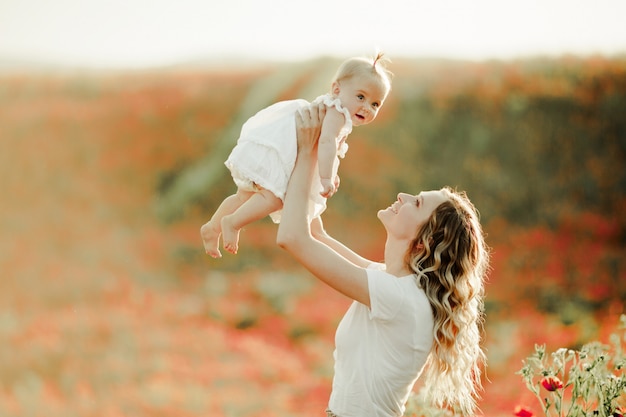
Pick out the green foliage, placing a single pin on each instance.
(528, 143)
(588, 382)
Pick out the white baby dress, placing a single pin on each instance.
(265, 153)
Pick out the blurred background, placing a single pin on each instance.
(115, 120)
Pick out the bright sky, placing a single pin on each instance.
(138, 33)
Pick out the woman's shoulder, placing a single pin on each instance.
(406, 285)
(390, 295)
(378, 273)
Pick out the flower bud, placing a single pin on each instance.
(521, 411)
(551, 383)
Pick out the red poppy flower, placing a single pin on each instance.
(551, 383)
(521, 411)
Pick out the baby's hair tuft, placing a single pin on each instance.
(380, 57)
(379, 64)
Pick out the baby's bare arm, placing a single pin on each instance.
(327, 147)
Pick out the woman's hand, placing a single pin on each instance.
(309, 126)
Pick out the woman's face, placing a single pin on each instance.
(404, 217)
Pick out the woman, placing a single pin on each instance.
(423, 305)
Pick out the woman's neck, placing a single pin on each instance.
(395, 263)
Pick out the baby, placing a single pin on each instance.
(265, 154)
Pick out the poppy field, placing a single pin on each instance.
(109, 306)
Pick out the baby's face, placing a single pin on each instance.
(363, 96)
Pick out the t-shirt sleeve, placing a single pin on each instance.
(386, 295)
(377, 266)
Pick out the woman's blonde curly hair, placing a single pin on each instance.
(451, 258)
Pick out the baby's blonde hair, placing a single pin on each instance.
(450, 257)
(357, 66)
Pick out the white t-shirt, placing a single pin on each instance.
(381, 351)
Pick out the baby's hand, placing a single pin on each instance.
(328, 188)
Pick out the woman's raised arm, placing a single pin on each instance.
(294, 234)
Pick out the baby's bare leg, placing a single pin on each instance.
(212, 229)
(261, 204)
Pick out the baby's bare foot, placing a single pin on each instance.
(230, 236)
(210, 238)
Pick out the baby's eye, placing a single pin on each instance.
(376, 105)
(360, 96)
